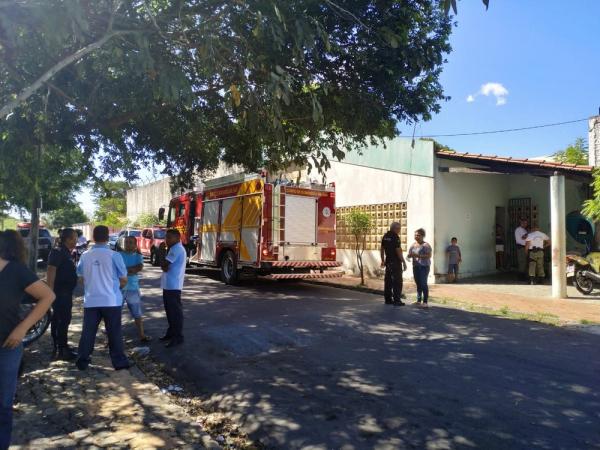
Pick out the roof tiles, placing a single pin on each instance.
(544, 164)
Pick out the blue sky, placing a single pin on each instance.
(545, 54)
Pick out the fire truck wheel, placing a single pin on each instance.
(229, 272)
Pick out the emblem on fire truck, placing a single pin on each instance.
(326, 211)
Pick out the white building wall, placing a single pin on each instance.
(359, 185)
(465, 208)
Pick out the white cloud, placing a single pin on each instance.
(490, 88)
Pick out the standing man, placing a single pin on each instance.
(535, 243)
(520, 236)
(104, 275)
(393, 261)
(173, 267)
(62, 279)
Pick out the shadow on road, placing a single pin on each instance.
(302, 365)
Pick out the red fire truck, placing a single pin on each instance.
(244, 224)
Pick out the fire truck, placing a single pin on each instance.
(244, 224)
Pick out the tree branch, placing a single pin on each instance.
(41, 81)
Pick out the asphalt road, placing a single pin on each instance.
(304, 366)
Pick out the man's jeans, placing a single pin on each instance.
(61, 319)
(10, 359)
(112, 322)
(174, 311)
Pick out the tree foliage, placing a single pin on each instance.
(147, 220)
(575, 153)
(111, 202)
(359, 224)
(186, 83)
(66, 216)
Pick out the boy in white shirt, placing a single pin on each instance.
(535, 243)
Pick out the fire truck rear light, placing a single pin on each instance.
(332, 252)
(265, 252)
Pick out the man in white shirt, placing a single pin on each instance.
(172, 283)
(104, 275)
(520, 237)
(534, 244)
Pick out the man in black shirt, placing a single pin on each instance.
(62, 278)
(393, 261)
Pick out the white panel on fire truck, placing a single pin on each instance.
(209, 246)
(300, 219)
(249, 247)
(211, 213)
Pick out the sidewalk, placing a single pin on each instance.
(505, 298)
(60, 407)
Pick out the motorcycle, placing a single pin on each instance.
(80, 249)
(40, 327)
(585, 271)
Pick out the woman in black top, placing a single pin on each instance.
(62, 279)
(15, 280)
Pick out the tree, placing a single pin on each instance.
(254, 83)
(359, 224)
(40, 168)
(576, 153)
(111, 200)
(66, 216)
(147, 220)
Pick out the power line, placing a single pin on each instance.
(508, 130)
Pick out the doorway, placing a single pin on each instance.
(502, 239)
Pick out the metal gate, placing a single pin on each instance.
(517, 208)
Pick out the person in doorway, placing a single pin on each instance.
(420, 253)
(520, 236)
(16, 280)
(173, 267)
(454, 260)
(61, 277)
(134, 262)
(499, 247)
(535, 244)
(393, 261)
(104, 275)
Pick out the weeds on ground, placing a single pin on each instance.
(546, 318)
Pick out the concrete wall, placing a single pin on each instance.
(148, 199)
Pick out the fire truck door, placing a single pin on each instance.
(210, 227)
(251, 219)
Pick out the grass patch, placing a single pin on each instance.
(505, 312)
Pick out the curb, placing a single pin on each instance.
(358, 288)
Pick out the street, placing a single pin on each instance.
(305, 366)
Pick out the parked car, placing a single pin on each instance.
(151, 239)
(120, 245)
(45, 239)
(112, 241)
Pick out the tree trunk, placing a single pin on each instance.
(34, 232)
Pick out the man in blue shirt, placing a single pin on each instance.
(172, 283)
(104, 275)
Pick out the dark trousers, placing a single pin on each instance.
(112, 321)
(61, 319)
(392, 283)
(421, 273)
(10, 360)
(174, 311)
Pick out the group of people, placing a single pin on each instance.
(392, 259)
(109, 279)
(531, 244)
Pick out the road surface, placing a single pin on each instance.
(305, 366)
